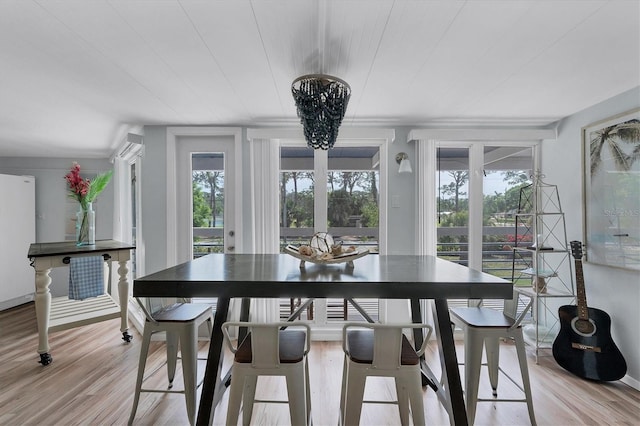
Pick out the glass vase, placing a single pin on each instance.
(86, 226)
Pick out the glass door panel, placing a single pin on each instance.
(506, 170)
(297, 196)
(297, 200)
(205, 204)
(452, 204)
(452, 207)
(353, 182)
(207, 207)
(351, 205)
(499, 171)
(208, 203)
(134, 223)
(205, 196)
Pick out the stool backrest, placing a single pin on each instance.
(151, 305)
(387, 344)
(265, 340)
(387, 347)
(509, 306)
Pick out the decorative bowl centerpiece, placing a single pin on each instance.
(322, 249)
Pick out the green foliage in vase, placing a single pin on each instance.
(85, 191)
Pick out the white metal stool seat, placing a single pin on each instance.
(485, 327)
(269, 351)
(381, 350)
(180, 321)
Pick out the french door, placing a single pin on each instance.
(339, 192)
(205, 196)
(477, 187)
(206, 180)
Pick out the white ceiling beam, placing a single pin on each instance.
(479, 134)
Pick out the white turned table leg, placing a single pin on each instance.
(123, 296)
(43, 308)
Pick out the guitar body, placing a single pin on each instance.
(588, 351)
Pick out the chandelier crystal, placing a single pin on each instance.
(321, 101)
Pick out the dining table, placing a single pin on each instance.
(245, 276)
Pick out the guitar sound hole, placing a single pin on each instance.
(583, 327)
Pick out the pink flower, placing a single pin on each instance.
(83, 190)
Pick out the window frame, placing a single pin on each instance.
(331, 330)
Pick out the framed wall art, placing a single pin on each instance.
(611, 185)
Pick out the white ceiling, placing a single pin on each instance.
(75, 75)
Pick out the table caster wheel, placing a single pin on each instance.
(45, 359)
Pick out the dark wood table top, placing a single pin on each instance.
(279, 275)
(70, 247)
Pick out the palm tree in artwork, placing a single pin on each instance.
(613, 137)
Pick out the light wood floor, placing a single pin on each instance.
(91, 382)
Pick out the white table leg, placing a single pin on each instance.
(123, 295)
(43, 309)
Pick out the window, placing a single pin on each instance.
(126, 209)
(134, 219)
(208, 203)
(297, 195)
(353, 185)
(475, 210)
(506, 171)
(336, 191)
(452, 206)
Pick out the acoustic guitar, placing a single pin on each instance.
(584, 345)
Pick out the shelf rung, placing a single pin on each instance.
(541, 273)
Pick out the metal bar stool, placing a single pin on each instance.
(381, 350)
(180, 321)
(267, 350)
(484, 326)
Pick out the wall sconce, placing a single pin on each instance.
(405, 165)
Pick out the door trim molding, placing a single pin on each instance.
(173, 133)
(346, 132)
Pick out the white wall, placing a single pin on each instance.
(51, 202)
(401, 235)
(153, 188)
(616, 291)
(17, 232)
(613, 290)
(154, 217)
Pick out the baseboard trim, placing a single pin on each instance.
(16, 301)
(630, 381)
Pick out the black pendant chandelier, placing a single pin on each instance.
(321, 101)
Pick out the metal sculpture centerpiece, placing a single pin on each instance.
(321, 101)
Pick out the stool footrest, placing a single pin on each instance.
(160, 391)
(500, 400)
(270, 401)
(371, 401)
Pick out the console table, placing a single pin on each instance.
(61, 313)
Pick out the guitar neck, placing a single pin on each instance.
(583, 312)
